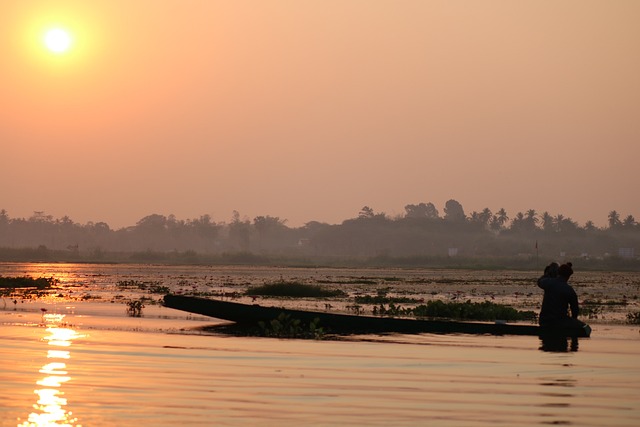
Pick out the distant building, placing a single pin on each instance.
(626, 252)
(453, 251)
(304, 242)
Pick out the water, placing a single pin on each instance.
(87, 363)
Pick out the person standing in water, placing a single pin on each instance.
(559, 297)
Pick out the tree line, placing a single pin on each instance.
(422, 232)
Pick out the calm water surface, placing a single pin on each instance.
(85, 363)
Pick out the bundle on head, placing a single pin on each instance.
(551, 270)
(565, 270)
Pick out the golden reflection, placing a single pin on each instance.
(54, 368)
(49, 409)
(58, 354)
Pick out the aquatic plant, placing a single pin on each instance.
(591, 311)
(355, 308)
(383, 299)
(633, 317)
(485, 310)
(293, 289)
(134, 308)
(27, 282)
(458, 310)
(356, 281)
(392, 310)
(153, 287)
(28, 286)
(284, 326)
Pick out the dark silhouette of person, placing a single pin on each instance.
(559, 297)
(558, 343)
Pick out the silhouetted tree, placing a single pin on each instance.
(205, 226)
(421, 210)
(518, 223)
(453, 211)
(495, 223)
(499, 219)
(629, 222)
(531, 219)
(485, 217)
(4, 219)
(568, 225)
(265, 224)
(590, 226)
(547, 222)
(314, 226)
(614, 219)
(240, 232)
(366, 212)
(154, 222)
(369, 235)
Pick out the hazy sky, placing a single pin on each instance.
(310, 110)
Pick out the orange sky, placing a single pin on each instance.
(310, 110)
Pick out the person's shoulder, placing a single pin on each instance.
(547, 281)
(570, 288)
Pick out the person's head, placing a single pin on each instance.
(551, 270)
(565, 270)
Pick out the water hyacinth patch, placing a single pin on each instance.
(293, 289)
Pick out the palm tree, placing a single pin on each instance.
(502, 217)
(547, 221)
(518, 221)
(569, 225)
(558, 220)
(475, 217)
(485, 216)
(531, 218)
(614, 219)
(629, 222)
(589, 226)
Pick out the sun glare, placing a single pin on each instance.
(57, 40)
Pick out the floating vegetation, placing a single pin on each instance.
(28, 286)
(468, 310)
(134, 308)
(27, 282)
(383, 299)
(472, 310)
(595, 308)
(633, 317)
(355, 308)
(284, 326)
(392, 310)
(293, 289)
(606, 302)
(152, 287)
(355, 281)
(591, 311)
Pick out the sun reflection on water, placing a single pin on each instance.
(49, 409)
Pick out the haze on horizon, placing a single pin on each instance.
(312, 110)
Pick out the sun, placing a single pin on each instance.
(57, 40)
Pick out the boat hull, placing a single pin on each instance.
(252, 314)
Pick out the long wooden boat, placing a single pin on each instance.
(252, 314)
